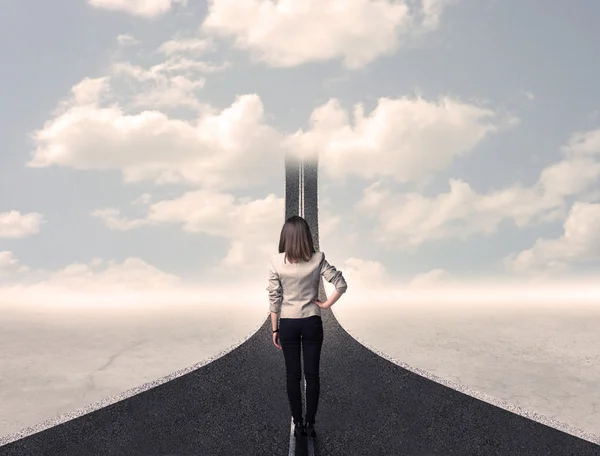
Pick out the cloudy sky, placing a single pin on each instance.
(142, 141)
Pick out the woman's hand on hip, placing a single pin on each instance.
(275, 341)
(321, 304)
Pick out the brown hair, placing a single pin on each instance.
(296, 240)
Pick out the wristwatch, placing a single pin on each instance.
(276, 330)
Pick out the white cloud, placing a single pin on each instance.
(370, 278)
(157, 88)
(364, 273)
(232, 148)
(114, 221)
(406, 139)
(132, 273)
(428, 279)
(97, 275)
(90, 91)
(96, 262)
(162, 71)
(432, 11)
(235, 148)
(142, 200)
(529, 95)
(576, 175)
(251, 227)
(584, 144)
(10, 265)
(178, 91)
(579, 243)
(292, 32)
(178, 63)
(127, 40)
(570, 176)
(182, 56)
(410, 219)
(14, 225)
(144, 8)
(169, 83)
(329, 219)
(193, 46)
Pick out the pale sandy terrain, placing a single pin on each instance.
(55, 361)
(544, 358)
(541, 358)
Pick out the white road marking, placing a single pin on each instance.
(310, 442)
(301, 188)
(292, 440)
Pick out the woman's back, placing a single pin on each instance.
(294, 278)
(294, 285)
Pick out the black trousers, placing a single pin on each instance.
(304, 335)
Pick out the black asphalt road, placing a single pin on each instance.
(237, 405)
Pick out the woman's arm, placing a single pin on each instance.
(274, 320)
(275, 295)
(333, 298)
(335, 277)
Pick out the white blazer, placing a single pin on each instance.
(293, 286)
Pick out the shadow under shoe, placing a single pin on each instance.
(299, 429)
(309, 430)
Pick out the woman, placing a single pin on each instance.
(293, 295)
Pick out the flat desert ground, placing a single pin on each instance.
(543, 358)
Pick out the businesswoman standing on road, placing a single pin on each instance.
(293, 295)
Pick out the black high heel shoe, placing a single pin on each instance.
(309, 430)
(299, 429)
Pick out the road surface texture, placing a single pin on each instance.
(237, 405)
